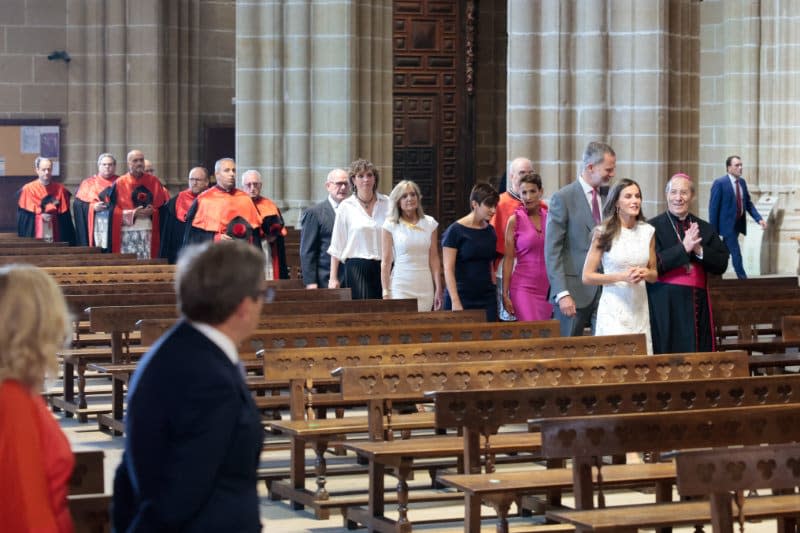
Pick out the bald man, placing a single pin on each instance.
(172, 216)
(134, 203)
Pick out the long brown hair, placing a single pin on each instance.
(611, 223)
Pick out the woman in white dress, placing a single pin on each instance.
(625, 247)
(409, 242)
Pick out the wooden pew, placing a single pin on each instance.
(748, 318)
(88, 503)
(51, 249)
(586, 438)
(78, 260)
(152, 328)
(112, 273)
(723, 474)
(790, 328)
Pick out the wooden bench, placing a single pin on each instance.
(50, 249)
(587, 438)
(790, 328)
(723, 474)
(481, 412)
(152, 328)
(78, 260)
(87, 501)
(112, 273)
(748, 319)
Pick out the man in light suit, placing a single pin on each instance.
(574, 211)
(729, 202)
(194, 435)
(316, 228)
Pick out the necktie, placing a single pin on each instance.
(739, 210)
(595, 206)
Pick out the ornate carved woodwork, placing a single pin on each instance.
(430, 129)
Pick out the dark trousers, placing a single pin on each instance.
(584, 316)
(732, 242)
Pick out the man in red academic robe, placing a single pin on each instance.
(272, 222)
(172, 215)
(134, 203)
(223, 212)
(90, 206)
(43, 207)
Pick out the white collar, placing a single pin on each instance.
(222, 341)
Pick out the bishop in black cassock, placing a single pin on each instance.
(687, 250)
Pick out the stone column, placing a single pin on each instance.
(749, 52)
(313, 92)
(133, 84)
(624, 72)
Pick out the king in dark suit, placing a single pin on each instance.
(729, 202)
(193, 432)
(574, 211)
(316, 228)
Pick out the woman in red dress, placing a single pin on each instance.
(36, 461)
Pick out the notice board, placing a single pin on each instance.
(22, 141)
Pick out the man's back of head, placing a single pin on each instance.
(213, 278)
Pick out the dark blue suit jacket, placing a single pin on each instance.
(722, 207)
(193, 442)
(315, 238)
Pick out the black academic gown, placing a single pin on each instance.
(680, 316)
(80, 212)
(26, 224)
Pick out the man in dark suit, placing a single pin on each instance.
(193, 432)
(316, 227)
(729, 202)
(574, 211)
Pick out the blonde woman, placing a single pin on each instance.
(36, 461)
(410, 243)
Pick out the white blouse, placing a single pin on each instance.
(355, 233)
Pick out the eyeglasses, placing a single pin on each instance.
(253, 185)
(339, 183)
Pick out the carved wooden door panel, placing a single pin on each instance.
(432, 139)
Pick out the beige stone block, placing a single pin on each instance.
(10, 98)
(261, 117)
(84, 41)
(590, 88)
(143, 40)
(330, 18)
(218, 72)
(45, 13)
(331, 85)
(297, 18)
(258, 52)
(258, 86)
(45, 71)
(44, 98)
(26, 40)
(143, 68)
(218, 15)
(254, 20)
(522, 16)
(220, 44)
(144, 12)
(16, 69)
(329, 118)
(647, 52)
(330, 51)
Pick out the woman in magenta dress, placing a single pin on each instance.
(525, 289)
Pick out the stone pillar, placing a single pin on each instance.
(622, 71)
(749, 51)
(313, 92)
(133, 84)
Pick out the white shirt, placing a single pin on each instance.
(220, 339)
(355, 233)
(587, 192)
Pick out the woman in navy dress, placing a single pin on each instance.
(468, 250)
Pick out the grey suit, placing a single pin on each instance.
(567, 238)
(315, 237)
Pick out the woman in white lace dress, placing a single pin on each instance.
(625, 248)
(410, 265)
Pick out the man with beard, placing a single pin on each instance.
(134, 203)
(43, 207)
(90, 206)
(687, 249)
(574, 211)
(172, 216)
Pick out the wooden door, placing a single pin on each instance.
(432, 133)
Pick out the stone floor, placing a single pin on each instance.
(278, 517)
